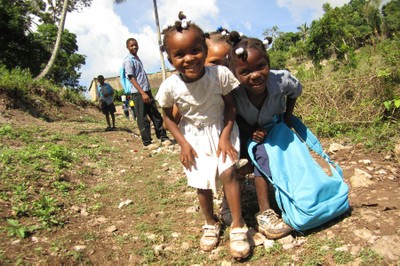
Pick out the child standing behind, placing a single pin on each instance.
(106, 102)
(206, 132)
(263, 95)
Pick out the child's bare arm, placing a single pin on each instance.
(188, 154)
(225, 146)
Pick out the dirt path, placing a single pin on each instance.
(134, 208)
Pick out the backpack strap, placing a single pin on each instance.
(312, 142)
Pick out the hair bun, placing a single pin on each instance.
(181, 15)
(234, 37)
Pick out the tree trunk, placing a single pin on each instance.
(54, 54)
(159, 39)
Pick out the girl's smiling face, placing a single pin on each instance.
(187, 53)
(253, 72)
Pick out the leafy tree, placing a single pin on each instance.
(15, 45)
(391, 15)
(23, 48)
(50, 11)
(285, 41)
(68, 61)
(339, 32)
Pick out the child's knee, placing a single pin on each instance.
(228, 176)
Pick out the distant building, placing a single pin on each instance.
(155, 82)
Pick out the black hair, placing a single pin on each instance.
(179, 26)
(128, 40)
(100, 76)
(239, 46)
(221, 35)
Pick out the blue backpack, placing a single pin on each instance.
(306, 195)
(126, 84)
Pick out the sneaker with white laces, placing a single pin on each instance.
(270, 225)
(239, 246)
(210, 237)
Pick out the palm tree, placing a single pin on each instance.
(54, 53)
(304, 31)
(373, 16)
(158, 34)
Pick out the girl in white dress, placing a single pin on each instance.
(206, 133)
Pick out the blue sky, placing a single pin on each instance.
(103, 28)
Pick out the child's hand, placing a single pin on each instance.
(187, 156)
(146, 98)
(259, 135)
(226, 148)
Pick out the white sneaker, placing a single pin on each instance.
(210, 237)
(239, 245)
(270, 225)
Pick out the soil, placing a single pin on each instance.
(112, 235)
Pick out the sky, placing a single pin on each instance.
(102, 29)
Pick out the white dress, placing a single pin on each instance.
(202, 108)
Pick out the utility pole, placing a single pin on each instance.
(159, 39)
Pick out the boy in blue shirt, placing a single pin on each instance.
(106, 101)
(145, 105)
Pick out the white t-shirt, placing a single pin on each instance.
(199, 102)
(202, 108)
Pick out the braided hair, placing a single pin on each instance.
(239, 46)
(179, 26)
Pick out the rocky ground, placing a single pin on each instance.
(373, 225)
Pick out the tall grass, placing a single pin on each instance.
(358, 102)
(19, 84)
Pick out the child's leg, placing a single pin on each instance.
(268, 221)
(206, 204)
(113, 119)
(232, 193)
(212, 228)
(108, 119)
(262, 193)
(239, 246)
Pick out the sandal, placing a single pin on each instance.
(210, 237)
(239, 246)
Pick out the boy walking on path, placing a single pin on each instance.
(145, 104)
(106, 102)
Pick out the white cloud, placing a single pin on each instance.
(200, 12)
(302, 10)
(101, 33)
(101, 36)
